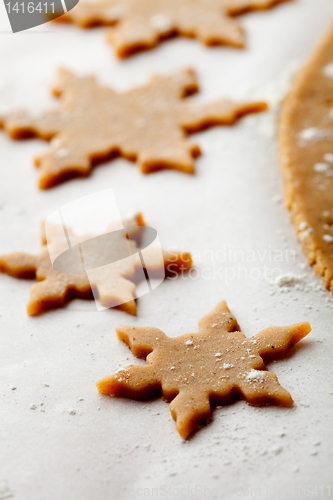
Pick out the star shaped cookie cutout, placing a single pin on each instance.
(142, 24)
(148, 124)
(196, 371)
(114, 286)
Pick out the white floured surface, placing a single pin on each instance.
(60, 439)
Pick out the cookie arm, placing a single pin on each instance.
(19, 265)
(113, 289)
(189, 410)
(173, 262)
(131, 35)
(212, 27)
(21, 125)
(265, 391)
(179, 156)
(176, 262)
(89, 14)
(136, 382)
(220, 318)
(276, 341)
(47, 294)
(223, 112)
(141, 341)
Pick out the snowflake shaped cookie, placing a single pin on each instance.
(196, 371)
(115, 286)
(148, 124)
(142, 24)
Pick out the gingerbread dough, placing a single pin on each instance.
(115, 286)
(214, 366)
(306, 154)
(148, 124)
(142, 24)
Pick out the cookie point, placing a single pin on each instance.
(105, 385)
(301, 331)
(43, 183)
(183, 432)
(186, 259)
(139, 219)
(33, 309)
(262, 106)
(122, 335)
(288, 401)
(128, 307)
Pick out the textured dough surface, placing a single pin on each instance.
(306, 156)
(147, 124)
(115, 285)
(194, 371)
(142, 24)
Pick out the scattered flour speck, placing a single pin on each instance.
(288, 279)
(321, 167)
(312, 134)
(255, 376)
(328, 157)
(328, 70)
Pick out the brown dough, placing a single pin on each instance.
(147, 124)
(214, 366)
(142, 24)
(306, 155)
(115, 286)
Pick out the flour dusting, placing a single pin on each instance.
(273, 94)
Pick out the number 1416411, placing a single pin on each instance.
(30, 8)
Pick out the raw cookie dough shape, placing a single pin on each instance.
(147, 124)
(306, 157)
(142, 24)
(116, 287)
(195, 371)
